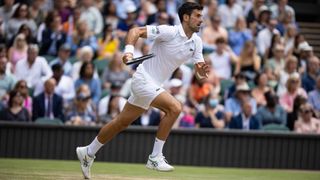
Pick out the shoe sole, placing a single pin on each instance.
(154, 168)
(79, 158)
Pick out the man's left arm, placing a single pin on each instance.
(201, 68)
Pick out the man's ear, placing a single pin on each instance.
(186, 17)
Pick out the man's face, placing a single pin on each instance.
(195, 20)
(32, 54)
(3, 63)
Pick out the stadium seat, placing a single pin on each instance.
(225, 84)
(275, 127)
(100, 65)
(49, 58)
(49, 121)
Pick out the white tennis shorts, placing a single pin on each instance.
(143, 89)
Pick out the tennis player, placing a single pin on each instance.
(173, 45)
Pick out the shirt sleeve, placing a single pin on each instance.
(198, 56)
(162, 32)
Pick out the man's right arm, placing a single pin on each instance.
(131, 39)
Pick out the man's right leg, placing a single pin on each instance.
(86, 154)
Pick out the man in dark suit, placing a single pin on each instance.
(245, 120)
(48, 104)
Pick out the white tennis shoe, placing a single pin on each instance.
(159, 163)
(85, 161)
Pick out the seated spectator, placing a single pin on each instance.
(7, 9)
(222, 59)
(20, 16)
(81, 112)
(104, 103)
(48, 103)
(37, 12)
(212, 115)
(86, 77)
(212, 32)
(306, 123)
(258, 93)
(52, 36)
(63, 59)
(309, 77)
(33, 68)
(314, 97)
(254, 12)
(128, 22)
(22, 88)
(284, 24)
(113, 107)
(18, 51)
(82, 37)
(233, 104)
(289, 37)
(91, 14)
(110, 14)
(249, 62)
(290, 68)
(115, 73)
(272, 113)
(293, 89)
(262, 20)
(64, 85)
(198, 91)
(245, 120)
(15, 110)
(108, 44)
(293, 116)
(229, 13)
(270, 51)
(277, 62)
(151, 117)
(264, 37)
(280, 9)
(85, 55)
(240, 79)
(239, 36)
(27, 32)
(69, 26)
(7, 82)
(305, 53)
(186, 118)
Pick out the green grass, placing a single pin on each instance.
(52, 169)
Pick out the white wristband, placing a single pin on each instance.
(129, 49)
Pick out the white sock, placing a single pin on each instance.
(157, 147)
(94, 147)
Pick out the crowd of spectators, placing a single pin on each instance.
(62, 60)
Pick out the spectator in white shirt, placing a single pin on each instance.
(33, 68)
(264, 36)
(92, 16)
(65, 84)
(229, 13)
(222, 59)
(280, 9)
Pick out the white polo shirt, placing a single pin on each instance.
(172, 48)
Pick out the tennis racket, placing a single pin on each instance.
(140, 59)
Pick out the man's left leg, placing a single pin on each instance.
(172, 108)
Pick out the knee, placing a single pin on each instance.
(120, 125)
(175, 108)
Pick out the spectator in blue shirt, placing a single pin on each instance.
(239, 35)
(314, 97)
(63, 59)
(313, 70)
(86, 77)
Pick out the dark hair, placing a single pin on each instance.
(56, 67)
(50, 18)
(17, 11)
(187, 8)
(83, 69)
(220, 40)
(257, 78)
(271, 98)
(105, 32)
(298, 101)
(12, 94)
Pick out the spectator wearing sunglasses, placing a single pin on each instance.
(306, 123)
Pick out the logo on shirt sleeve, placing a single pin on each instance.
(155, 30)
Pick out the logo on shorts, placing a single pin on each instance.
(158, 89)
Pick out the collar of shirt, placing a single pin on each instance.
(183, 34)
